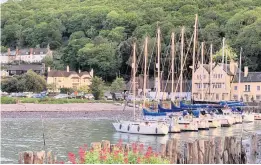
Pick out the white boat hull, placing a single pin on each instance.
(226, 121)
(214, 123)
(257, 116)
(248, 118)
(202, 124)
(188, 125)
(138, 128)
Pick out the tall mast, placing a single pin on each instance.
(158, 64)
(172, 64)
(210, 72)
(181, 59)
(223, 52)
(239, 77)
(202, 63)
(194, 54)
(134, 78)
(145, 69)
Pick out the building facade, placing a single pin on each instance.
(31, 55)
(213, 83)
(23, 68)
(68, 79)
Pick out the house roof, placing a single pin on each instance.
(226, 68)
(59, 73)
(25, 67)
(251, 77)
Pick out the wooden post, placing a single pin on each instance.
(232, 150)
(226, 150)
(50, 158)
(218, 151)
(28, 157)
(38, 157)
(169, 149)
(163, 150)
(174, 150)
(186, 153)
(126, 148)
(96, 146)
(201, 150)
(190, 154)
(112, 147)
(206, 151)
(211, 150)
(195, 152)
(105, 144)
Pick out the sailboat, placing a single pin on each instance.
(135, 126)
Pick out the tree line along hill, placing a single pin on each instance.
(99, 34)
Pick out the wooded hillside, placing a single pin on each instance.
(99, 33)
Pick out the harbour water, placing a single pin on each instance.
(67, 135)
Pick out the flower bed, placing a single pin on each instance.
(137, 155)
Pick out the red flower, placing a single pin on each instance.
(126, 161)
(138, 160)
(82, 155)
(72, 157)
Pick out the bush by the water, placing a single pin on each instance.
(8, 100)
(138, 155)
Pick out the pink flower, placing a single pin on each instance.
(72, 157)
(126, 161)
(82, 155)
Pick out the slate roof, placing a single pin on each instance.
(59, 73)
(25, 67)
(251, 77)
(226, 68)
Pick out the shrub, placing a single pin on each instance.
(8, 100)
(136, 156)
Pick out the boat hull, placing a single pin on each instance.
(126, 127)
(257, 116)
(214, 123)
(248, 118)
(188, 125)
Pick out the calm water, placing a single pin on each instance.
(66, 135)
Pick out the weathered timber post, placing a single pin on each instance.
(218, 150)
(211, 151)
(169, 149)
(206, 152)
(28, 157)
(200, 152)
(195, 153)
(190, 153)
(163, 150)
(174, 150)
(232, 150)
(105, 144)
(96, 146)
(38, 157)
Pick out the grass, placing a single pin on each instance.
(12, 100)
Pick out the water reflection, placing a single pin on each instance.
(66, 135)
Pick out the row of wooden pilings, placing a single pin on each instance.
(218, 150)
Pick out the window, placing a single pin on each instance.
(258, 88)
(217, 96)
(258, 97)
(247, 88)
(221, 75)
(235, 97)
(204, 76)
(235, 88)
(223, 96)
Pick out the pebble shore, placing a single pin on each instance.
(77, 110)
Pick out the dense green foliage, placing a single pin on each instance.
(118, 85)
(97, 87)
(99, 34)
(28, 82)
(66, 90)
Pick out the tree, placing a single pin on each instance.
(227, 51)
(97, 87)
(118, 85)
(9, 85)
(84, 89)
(66, 90)
(3, 49)
(51, 87)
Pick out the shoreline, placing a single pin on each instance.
(72, 110)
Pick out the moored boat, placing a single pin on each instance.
(187, 124)
(248, 118)
(257, 116)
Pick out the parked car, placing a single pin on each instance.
(61, 96)
(38, 95)
(117, 96)
(108, 96)
(89, 96)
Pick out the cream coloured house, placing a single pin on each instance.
(213, 84)
(249, 87)
(68, 79)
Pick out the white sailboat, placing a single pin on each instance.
(140, 127)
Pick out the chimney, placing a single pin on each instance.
(16, 53)
(67, 68)
(245, 71)
(232, 66)
(48, 69)
(79, 71)
(91, 72)
(31, 51)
